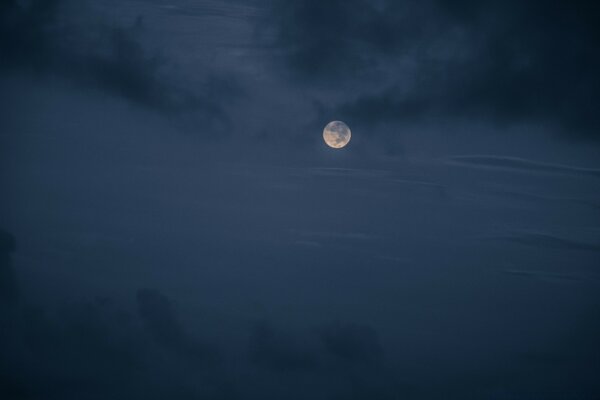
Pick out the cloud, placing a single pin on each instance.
(43, 38)
(550, 276)
(504, 63)
(96, 349)
(545, 240)
(9, 291)
(276, 351)
(333, 236)
(89, 349)
(353, 343)
(338, 40)
(522, 165)
(158, 317)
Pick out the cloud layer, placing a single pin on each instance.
(61, 39)
(504, 63)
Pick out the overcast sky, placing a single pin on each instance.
(172, 224)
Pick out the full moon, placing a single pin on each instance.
(336, 134)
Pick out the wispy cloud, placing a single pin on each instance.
(521, 165)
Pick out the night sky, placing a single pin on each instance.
(173, 226)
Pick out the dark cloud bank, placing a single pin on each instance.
(97, 349)
(507, 62)
(60, 39)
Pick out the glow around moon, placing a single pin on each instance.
(336, 134)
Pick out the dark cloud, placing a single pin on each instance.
(157, 314)
(9, 291)
(325, 40)
(354, 343)
(38, 37)
(277, 351)
(159, 319)
(90, 349)
(505, 63)
(93, 349)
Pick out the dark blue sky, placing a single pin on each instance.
(173, 226)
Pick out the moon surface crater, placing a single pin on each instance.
(337, 134)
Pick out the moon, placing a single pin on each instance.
(336, 134)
